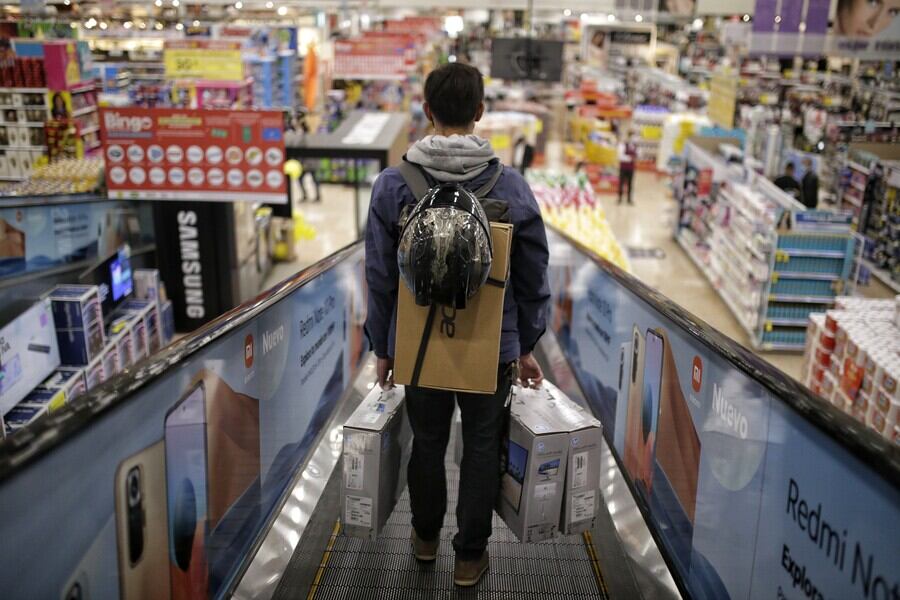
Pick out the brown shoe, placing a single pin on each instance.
(422, 550)
(467, 573)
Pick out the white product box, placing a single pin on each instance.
(110, 358)
(4, 165)
(534, 467)
(28, 353)
(94, 374)
(148, 314)
(147, 285)
(377, 443)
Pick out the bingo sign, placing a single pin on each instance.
(173, 154)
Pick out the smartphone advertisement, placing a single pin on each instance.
(165, 496)
(745, 498)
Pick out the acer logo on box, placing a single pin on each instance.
(120, 122)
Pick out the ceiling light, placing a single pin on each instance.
(698, 24)
(176, 3)
(567, 12)
(158, 3)
(282, 10)
(746, 18)
(638, 18)
(67, 2)
(239, 5)
(195, 23)
(802, 27)
(179, 26)
(158, 26)
(142, 25)
(127, 24)
(73, 25)
(611, 18)
(778, 18)
(270, 4)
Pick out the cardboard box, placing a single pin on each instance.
(581, 496)
(28, 352)
(464, 357)
(150, 331)
(534, 466)
(70, 382)
(377, 443)
(79, 323)
(43, 398)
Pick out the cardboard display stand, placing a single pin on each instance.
(459, 350)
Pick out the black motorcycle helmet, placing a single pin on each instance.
(445, 247)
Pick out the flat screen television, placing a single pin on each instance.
(526, 59)
(113, 277)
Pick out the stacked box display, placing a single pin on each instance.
(79, 323)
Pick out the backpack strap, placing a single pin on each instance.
(414, 178)
(484, 190)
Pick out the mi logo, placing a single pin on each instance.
(248, 351)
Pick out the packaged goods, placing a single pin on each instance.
(377, 442)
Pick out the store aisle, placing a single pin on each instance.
(331, 220)
(645, 229)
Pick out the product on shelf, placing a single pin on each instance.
(68, 176)
(568, 202)
(852, 359)
(731, 225)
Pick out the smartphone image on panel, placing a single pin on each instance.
(650, 402)
(622, 388)
(186, 481)
(633, 441)
(142, 529)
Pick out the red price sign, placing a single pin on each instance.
(172, 154)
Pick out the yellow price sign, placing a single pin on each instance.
(774, 277)
(501, 141)
(651, 132)
(768, 326)
(204, 60)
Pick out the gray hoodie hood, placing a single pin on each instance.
(452, 159)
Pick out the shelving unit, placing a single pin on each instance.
(769, 277)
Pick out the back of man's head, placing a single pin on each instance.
(454, 93)
(789, 168)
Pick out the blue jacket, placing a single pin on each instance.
(527, 297)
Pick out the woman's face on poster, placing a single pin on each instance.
(866, 18)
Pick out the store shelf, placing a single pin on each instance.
(882, 275)
(788, 322)
(22, 124)
(84, 111)
(811, 253)
(858, 167)
(801, 299)
(816, 276)
(781, 346)
(23, 90)
(24, 106)
(90, 129)
(23, 147)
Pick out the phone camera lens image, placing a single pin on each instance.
(134, 487)
(135, 515)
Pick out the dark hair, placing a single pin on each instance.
(454, 92)
(789, 167)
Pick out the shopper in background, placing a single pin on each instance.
(788, 182)
(454, 101)
(809, 186)
(627, 155)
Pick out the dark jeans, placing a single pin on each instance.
(626, 177)
(483, 419)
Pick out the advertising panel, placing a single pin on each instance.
(216, 60)
(164, 496)
(868, 30)
(184, 154)
(745, 498)
(36, 238)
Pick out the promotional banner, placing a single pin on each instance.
(868, 30)
(745, 498)
(216, 60)
(722, 99)
(185, 154)
(36, 238)
(165, 495)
